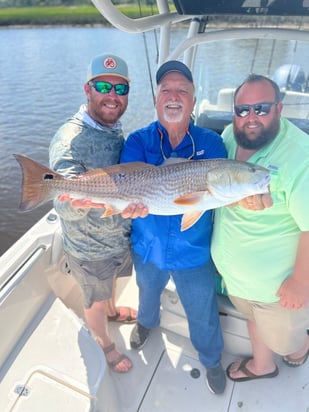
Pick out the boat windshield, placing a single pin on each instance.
(222, 42)
(220, 66)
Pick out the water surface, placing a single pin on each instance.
(42, 72)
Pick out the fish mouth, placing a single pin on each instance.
(264, 181)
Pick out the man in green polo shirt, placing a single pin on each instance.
(263, 252)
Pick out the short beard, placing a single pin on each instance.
(170, 116)
(264, 138)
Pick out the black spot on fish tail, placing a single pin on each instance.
(48, 177)
(34, 191)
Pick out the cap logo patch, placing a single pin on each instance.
(110, 63)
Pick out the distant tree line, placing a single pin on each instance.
(36, 3)
(67, 3)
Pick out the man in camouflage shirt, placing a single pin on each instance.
(97, 250)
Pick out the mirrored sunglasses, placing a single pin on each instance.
(106, 87)
(260, 109)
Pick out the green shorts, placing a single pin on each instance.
(96, 278)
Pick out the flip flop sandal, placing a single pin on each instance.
(124, 315)
(249, 375)
(295, 363)
(112, 364)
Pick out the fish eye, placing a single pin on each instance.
(252, 169)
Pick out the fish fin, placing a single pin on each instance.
(123, 168)
(91, 173)
(133, 166)
(34, 191)
(174, 160)
(190, 218)
(190, 198)
(110, 211)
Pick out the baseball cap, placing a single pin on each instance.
(173, 66)
(107, 64)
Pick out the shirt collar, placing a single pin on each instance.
(84, 116)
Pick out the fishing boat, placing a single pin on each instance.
(48, 359)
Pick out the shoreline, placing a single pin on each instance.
(49, 26)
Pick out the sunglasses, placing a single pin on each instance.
(260, 109)
(106, 87)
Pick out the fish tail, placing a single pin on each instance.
(35, 190)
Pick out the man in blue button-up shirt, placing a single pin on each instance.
(160, 250)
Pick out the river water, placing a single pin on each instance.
(42, 72)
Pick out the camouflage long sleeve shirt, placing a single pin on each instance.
(78, 146)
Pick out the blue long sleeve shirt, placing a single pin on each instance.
(158, 239)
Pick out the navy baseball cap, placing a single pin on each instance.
(173, 66)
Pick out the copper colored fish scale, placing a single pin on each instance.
(185, 187)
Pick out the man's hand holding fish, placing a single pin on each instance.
(256, 202)
(132, 211)
(80, 203)
(135, 210)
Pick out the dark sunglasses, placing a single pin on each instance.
(106, 87)
(260, 109)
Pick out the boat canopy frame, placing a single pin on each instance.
(246, 19)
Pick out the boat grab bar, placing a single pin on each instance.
(21, 271)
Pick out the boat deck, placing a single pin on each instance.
(50, 362)
(161, 380)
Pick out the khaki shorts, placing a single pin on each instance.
(284, 331)
(96, 278)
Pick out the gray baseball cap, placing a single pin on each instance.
(107, 64)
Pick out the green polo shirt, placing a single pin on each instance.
(255, 250)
